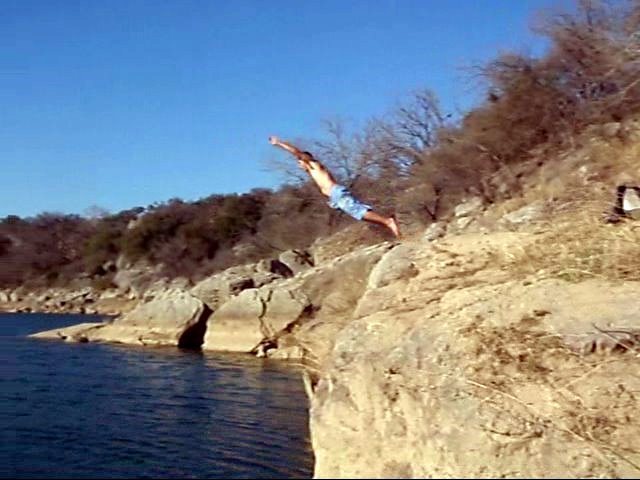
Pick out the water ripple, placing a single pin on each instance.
(96, 411)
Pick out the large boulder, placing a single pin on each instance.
(75, 333)
(236, 326)
(435, 231)
(397, 264)
(159, 287)
(175, 318)
(253, 316)
(631, 201)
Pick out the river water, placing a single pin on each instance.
(106, 411)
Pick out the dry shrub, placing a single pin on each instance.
(590, 75)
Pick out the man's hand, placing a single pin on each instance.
(273, 140)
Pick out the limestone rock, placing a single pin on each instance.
(526, 214)
(236, 326)
(397, 264)
(275, 266)
(610, 129)
(434, 231)
(387, 280)
(347, 274)
(109, 294)
(297, 261)
(461, 223)
(74, 333)
(218, 288)
(164, 285)
(470, 207)
(631, 202)
(333, 291)
(289, 353)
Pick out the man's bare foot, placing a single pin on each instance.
(273, 140)
(392, 225)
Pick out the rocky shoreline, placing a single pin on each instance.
(262, 308)
(58, 300)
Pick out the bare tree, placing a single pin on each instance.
(399, 140)
(341, 150)
(416, 125)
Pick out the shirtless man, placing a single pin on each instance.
(339, 197)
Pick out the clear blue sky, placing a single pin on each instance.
(122, 103)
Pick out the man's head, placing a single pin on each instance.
(306, 157)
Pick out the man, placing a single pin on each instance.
(339, 197)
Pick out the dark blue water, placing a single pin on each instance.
(106, 411)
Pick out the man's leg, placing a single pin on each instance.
(389, 222)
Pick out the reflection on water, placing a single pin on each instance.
(90, 410)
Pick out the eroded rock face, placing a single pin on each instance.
(479, 383)
(235, 326)
(328, 293)
(217, 289)
(297, 261)
(244, 321)
(395, 265)
(134, 278)
(387, 280)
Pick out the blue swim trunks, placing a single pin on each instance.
(341, 199)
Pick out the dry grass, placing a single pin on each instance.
(575, 242)
(579, 245)
(572, 394)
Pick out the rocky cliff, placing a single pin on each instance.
(502, 342)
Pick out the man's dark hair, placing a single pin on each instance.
(306, 156)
